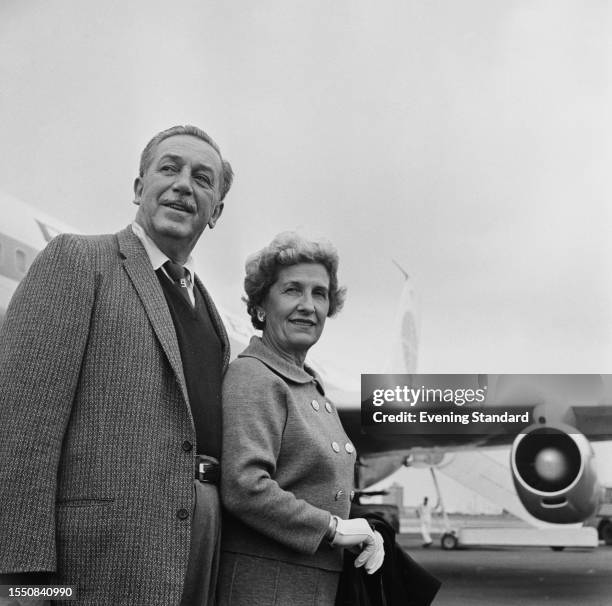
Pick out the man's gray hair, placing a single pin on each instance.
(227, 174)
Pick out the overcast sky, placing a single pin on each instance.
(469, 140)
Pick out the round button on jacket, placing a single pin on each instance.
(187, 446)
(328, 407)
(182, 514)
(335, 446)
(349, 448)
(315, 405)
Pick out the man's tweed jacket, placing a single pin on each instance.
(94, 413)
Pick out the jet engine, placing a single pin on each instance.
(554, 474)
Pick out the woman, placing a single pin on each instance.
(287, 463)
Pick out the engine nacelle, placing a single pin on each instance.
(554, 474)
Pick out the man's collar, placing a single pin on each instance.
(156, 256)
(257, 349)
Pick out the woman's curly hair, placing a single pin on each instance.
(286, 249)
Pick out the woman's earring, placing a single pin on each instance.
(261, 315)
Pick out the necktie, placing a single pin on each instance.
(180, 276)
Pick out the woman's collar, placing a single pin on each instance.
(257, 349)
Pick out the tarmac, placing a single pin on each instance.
(511, 576)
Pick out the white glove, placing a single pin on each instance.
(372, 555)
(352, 532)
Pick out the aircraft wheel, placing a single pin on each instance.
(448, 541)
(605, 531)
(557, 547)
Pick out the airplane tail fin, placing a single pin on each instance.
(405, 348)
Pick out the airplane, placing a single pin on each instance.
(551, 480)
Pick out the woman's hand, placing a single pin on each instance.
(372, 555)
(358, 533)
(350, 533)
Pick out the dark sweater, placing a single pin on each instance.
(201, 354)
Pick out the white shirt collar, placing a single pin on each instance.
(156, 256)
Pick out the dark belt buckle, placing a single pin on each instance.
(207, 470)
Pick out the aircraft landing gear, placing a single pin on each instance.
(605, 531)
(449, 541)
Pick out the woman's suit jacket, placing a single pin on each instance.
(94, 413)
(286, 464)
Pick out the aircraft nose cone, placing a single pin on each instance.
(551, 465)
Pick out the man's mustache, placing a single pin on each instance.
(182, 204)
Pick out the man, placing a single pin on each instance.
(111, 359)
(424, 513)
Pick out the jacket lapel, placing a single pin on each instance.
(138, 267)
(217, 322)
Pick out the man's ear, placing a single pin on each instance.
(137, 190)
(215, 215)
